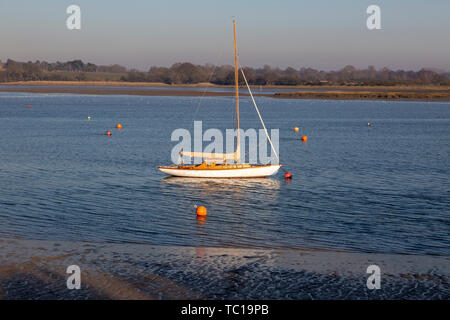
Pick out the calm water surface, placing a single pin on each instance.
(382, 189)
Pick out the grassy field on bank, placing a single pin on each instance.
(380, 95)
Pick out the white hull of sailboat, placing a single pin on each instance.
(250, 172)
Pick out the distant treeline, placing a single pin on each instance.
(224, 75)
(75, 70)
(188, 73)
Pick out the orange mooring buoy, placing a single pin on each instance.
(304, 138)
(288, 175)
(201, 211)
(108, 133)
(296, 129)
(29, 106)
(119, 126)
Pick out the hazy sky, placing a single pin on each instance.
(323, 34)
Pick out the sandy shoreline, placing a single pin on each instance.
(127, 91)
(31, 269)
(107, 83)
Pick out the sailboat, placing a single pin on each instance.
(216, 165)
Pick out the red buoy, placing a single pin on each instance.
(108, 133)
(288, 175)
(29, 106)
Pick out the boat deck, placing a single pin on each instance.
(214, 166)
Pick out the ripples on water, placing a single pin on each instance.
(368, 189)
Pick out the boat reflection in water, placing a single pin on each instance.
(264, 188)
(269, 183)
(224, 192)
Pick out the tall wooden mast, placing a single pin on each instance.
(236, 79)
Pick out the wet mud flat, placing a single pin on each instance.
(123, 91)
(37, 270)
(183, 91)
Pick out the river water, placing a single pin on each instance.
(378, 189)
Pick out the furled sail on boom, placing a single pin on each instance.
(224, 157)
